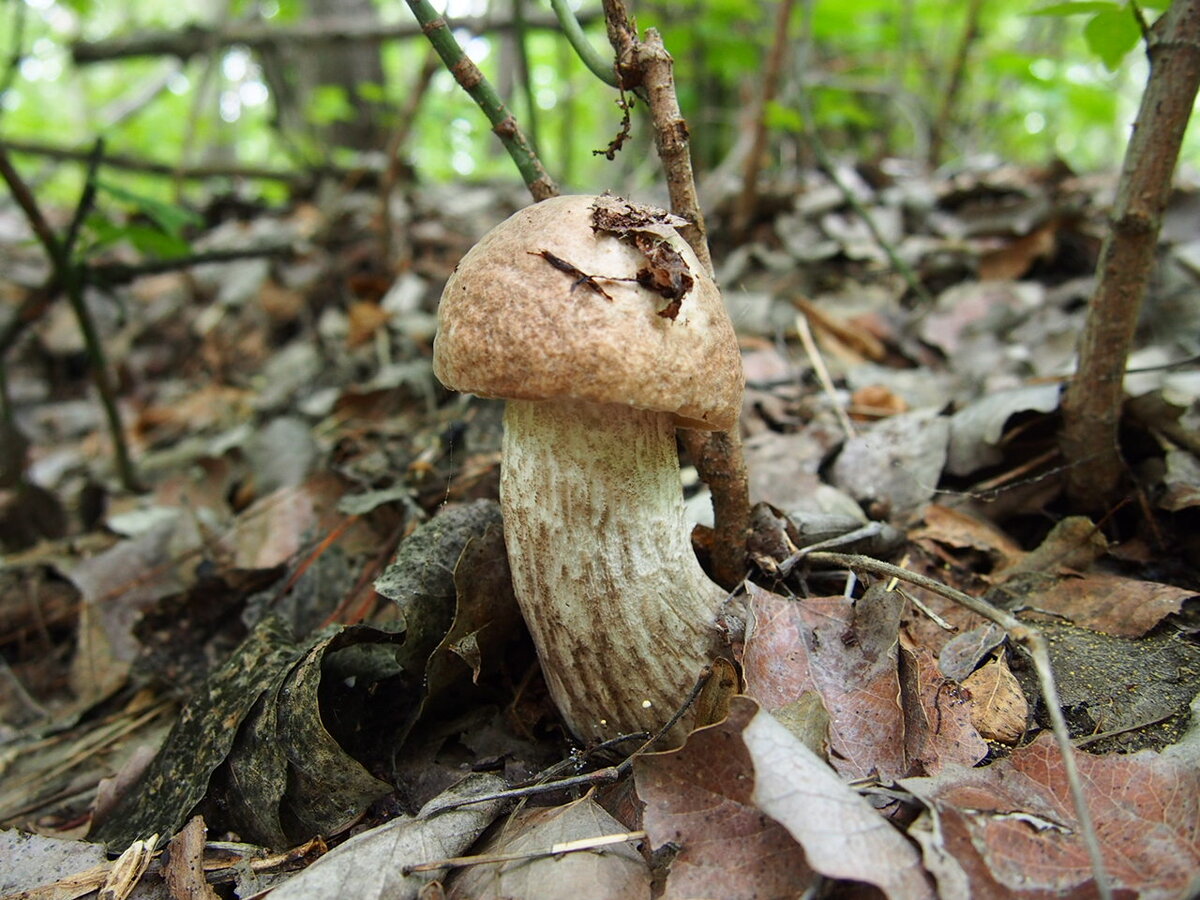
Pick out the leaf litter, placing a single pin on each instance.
(245, 643)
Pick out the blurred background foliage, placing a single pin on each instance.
(935, 81)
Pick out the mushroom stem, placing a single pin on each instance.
(619, 608)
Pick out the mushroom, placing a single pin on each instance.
(602, 340)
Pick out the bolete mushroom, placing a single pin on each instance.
(602, 338)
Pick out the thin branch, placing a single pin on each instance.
(72, 277)
(504, 124)
(946, 111)
(33, 213)
(168, 170)
(748, 198)
(1031, 641)
(396, 162)
(558, 849)
(1092, 403)
(193, 40)
(520, 37)
(597, 64)
(825, 161)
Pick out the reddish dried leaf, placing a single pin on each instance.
(1109, 603)
(937, 716)
(701, 797)
(846, 652)
(1009, 829)
(1014, 259)
(711, 795)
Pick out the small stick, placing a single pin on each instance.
(504, 124)
(72, 277)
(592, 843)
(1032, 642)
(818, 364)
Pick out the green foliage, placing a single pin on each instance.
(152, 227)
(1111, 31)
(1041, 80)
(330, 104)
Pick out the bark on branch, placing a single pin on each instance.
(1092, 405)
(195, 39)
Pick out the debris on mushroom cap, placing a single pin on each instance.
(550, 304)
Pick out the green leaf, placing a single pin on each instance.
(170, 218)
(1075, 9)
(1111, 35)
(783, 118)
(330, 104)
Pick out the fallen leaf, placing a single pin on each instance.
(184, 868)
(937, 716)
(896, 462)
(1009, 829)
(961, 530)
(743, 797)
(1114, 605)
(999, 709)
(976, 429)
(615, 871)
(701, 798)
(370, 866)
(962, 654)
(1015, 257)
(35, 861)
(844, 650)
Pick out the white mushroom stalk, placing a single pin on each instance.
(594, 319)
(619, 608)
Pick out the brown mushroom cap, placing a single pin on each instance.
(514, 324)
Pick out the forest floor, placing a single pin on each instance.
(302, 627)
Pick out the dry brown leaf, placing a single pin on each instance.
(1014, 259)
(701, 797)
(844, 650)
(958, 529)
(937, 716)
(999, 709)
(740, 795)
(1009, 829)
(1125, 607)
(184, 868)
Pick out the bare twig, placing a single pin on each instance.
(825, 161)
(395, 147)
(150, 167)
(744, 209)
(504, 124)
(72, 278)
(193, 39)
(950, 94)
(1031, 641)
(1092, 404)
(591, 843)
(818, 364)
